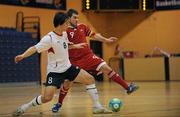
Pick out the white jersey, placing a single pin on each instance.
(57, 46)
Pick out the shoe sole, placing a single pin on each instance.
(56, 111)
(15, 114)
(103, 112)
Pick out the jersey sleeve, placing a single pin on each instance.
(44, 44)
(89, 32)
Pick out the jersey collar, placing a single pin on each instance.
(57, 33)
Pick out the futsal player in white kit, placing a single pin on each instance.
(59, 67)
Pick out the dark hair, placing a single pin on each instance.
(59, 19)
(70, 12)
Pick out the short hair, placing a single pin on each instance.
(59, 19)
(70, 12)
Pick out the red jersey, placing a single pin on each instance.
(83, 57)
(78, 35)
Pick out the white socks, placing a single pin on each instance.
(36, 101)
(91, 89)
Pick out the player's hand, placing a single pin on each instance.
(18, 58)
(70, 43)
(112, 39)
(80, 45)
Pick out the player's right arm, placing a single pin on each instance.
(43, 45)
(30, 51)
(77, 46)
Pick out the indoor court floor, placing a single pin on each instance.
(153, 99)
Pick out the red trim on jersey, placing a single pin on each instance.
(51, 50)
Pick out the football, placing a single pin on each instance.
(115, 104)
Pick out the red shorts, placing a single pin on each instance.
(90, 63)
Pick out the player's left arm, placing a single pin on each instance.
(98, 36)
(101, 38)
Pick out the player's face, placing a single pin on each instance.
(74, 20)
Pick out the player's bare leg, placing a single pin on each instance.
(48, 95)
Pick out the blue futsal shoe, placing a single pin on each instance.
(131, 88)
(56, 107)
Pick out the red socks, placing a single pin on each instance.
(62, 94)
(118, 79)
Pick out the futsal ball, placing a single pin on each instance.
(115, 104)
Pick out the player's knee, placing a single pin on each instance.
(105, 69)
(91, 80)
(67, 84)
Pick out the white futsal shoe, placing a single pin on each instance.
(101, 110)
(20, 110)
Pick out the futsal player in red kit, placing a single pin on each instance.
(85, 58)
